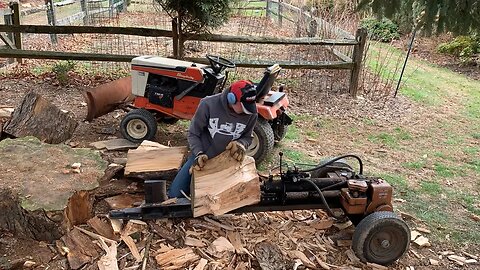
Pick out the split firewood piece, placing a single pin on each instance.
(221, 245)
(224, 184)
(36, 116)
(352, 257)
(109, 260)
(297, 254)
(133, 248)
(414, 235)
(80, 249)
(470, 255)
(102, 228)
(201, 264)
(176, 258)
(236, 240)
(6, 112)
(375, 266)
(149, 145)
(117, 225)
(154, 162)
(344, 242)
(114, 144)
(434, 262)
(423, 230)
(169, 201)
(321, 224)
(192, 242)
(343, 226)
(422, 241)
(111, 171)
(123, 201)
(457, 259)
(133, 226)
(218, 224)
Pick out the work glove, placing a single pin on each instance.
(199, 162)
(237, 150)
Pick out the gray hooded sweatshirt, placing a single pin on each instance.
(214, 125)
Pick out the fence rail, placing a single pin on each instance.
(342, 62)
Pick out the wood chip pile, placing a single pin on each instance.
(275, 240)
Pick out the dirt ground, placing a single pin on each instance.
(327, 124)
(343, 109)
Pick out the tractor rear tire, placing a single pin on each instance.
(138, 125)
(263, 141)
(381, 238)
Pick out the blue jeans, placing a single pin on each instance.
(182, 180)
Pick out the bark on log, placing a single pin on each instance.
(36, 116)
(28, 224)
(224, 184)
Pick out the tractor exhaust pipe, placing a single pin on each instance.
(107, 97)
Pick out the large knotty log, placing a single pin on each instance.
(36, 116)
(41, 195)
(154, 161)
(224, 184)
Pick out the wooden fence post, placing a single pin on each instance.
(9, 21)
(269, 6)
(280, 9)
(300, 24)
(358, 50)
(175, 37)
(110, 8)
(86, 19)
(16, 21)
(51, 18)
(125, 4)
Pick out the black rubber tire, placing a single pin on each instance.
(146, 118)
(279, 132)
(168, 120)
(378, 226)
(263, 131)
(322, 172)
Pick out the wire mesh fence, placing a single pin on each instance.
(249, 18)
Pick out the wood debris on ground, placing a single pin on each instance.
(275, 240)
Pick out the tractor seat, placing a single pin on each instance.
(269, 76)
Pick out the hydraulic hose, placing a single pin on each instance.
(360, 163)
(324, 201)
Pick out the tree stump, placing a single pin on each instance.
(36, 116)
(41, 195)
(224, 184)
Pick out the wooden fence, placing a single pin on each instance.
(343, 62)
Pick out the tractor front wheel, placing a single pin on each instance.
(138, 125)
(381, 238)
(263, 141)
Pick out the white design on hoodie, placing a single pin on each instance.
(225, 129)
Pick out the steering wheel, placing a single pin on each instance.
(218, 63)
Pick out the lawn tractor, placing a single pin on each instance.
(379, 237)
(167, 89)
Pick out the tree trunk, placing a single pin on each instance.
(224, 184)
(36, 116)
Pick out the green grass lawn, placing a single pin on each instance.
(432, 160)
